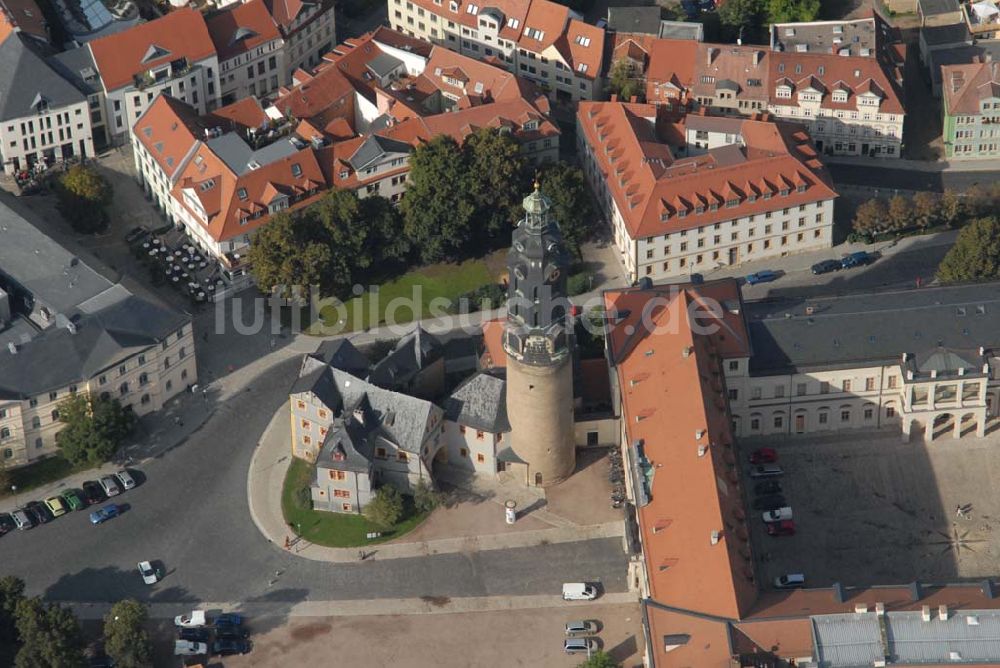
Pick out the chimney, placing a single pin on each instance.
(880, 609)
(943, 613)
(860, 608)
(925, 613)
(711, 55)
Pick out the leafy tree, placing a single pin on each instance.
(437, 208)
(978, 201)
(93, 428)
(975, 255)
(952, 209)
(572, 206)
(386, 242)
(342, 231)
(11, 593)
(385, 508)
(285, 253)
(789, 11)
(600, 659)
(925, 209)
(745, 15)
(125, 638)
(625, 80)
(496, 184)
(425, 499)
(871, 218)
(50, 636)
(82, 196)
(900, 212)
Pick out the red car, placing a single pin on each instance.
(782, 528)
(764, 456)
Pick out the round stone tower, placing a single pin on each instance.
(537, 341)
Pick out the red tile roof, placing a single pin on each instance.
(657, 194)
(671, 61)
(320, 98)
(240, 28)
(855, 74)
(285, 12)
(493, 355)
(169, 129)
(25, 15)
(582, 47)
(244, 113)
(964, 87)
(180, 34)
(694, 533)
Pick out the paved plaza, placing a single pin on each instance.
(872, 510)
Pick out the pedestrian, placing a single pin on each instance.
(958, 511)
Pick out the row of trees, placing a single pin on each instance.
(752, 17)
(35, 634)
(461, 201)
(924, 210)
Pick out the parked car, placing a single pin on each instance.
(135, 234)
(93, 491)
(826, 266)
(580, 645)
(149, 574)
(697, 279)
(109, 484)
(73, 499)
(582, 627)
(23, 520)
(766, 471)
(767, 487)
(125, 479)
(7, 523)
(55, 505)
(790, 581)
(578, 591)
(193, 620)
(229, 647)
(102, 515)
(188, 648)
(230, 618)
(42, 514)
(764, 276)
(778, 514)
(856, 260)
(230, 631)
(782, 528)
(194, 635)
(764, 456)
(769, 502)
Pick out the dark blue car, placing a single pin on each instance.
(856, 260)
(102, 515)
(765, 276)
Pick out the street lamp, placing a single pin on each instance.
(13, 489)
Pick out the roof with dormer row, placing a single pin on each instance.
(240, 28)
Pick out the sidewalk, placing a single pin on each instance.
(267, 475)
(933, 167)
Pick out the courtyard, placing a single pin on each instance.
(869, 509)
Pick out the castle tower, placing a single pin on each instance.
(537, 341)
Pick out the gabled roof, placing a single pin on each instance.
(26, 78)
(964, 87)
(241, 27)
(169, 130)
(285, 12)
(182, 33)
(24, 16)
(480, 403)
(374, 148)
(341, 354)
(412, 354)
(855, 73)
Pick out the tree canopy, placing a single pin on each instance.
(11, 593)
(791, 11)
(600, 659)
(125, 638)
(975, 255)
(572, 205)
(93, 428)
(385, 507)
(50, 636)
(83, 196)
(625, 80)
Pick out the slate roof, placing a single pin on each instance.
(849, 330)
(480, 403)
(935, 7)
(345, 448)
(374, 148)
(635, 19)
(24, 75)
(956, 33)
(383, 64)
(77, 65)
(413, 353)
(341, 354)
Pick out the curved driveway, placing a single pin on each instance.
(191, 514)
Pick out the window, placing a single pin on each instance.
(8, 453)
(380, 453)
(39, 443)
(182, 353)
(307, 440)
(779, 391)
(869, 413)
(891, 382)
(846, 385)
(754, 424)
(479, 435)
(307, 425)
(755, 392)
(869, 384)
(36, 422)
(55, 415)
(481, 458)
(779, 421)
(342, 493)
(462, 452)
(734, 365)
(144, 400)
(32, 402)
(123, 389)
(800, 389)
(53, 395)
(322, 413)
(824, 387)
(733, 395)
(337, 475)
(845, 416)
(890, 411)
(301, 405)
(122, 369)
(5, 432)
(823, 418)
(402, 456)
(347, 508)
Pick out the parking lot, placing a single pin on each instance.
(869, 509)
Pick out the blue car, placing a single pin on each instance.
(856, 260)
(765, 276)
(228, 619)
(102, 515)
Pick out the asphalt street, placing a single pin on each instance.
(878, 176)
(191, 515)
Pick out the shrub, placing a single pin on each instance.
(386, 507)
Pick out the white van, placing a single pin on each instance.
(579, 591)
(790, 581)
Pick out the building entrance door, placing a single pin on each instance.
(800, 424)
(733, 257)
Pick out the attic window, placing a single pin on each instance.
(479, 88)
(206, 185)
(242, 194)
(821, 71)
(582, 68)
(582, 41)
(344, 173)
(453, 6)
(801, 188)
(198, 159)
(148, 131)
(472, 9)
(513, 23)
(437, 71)
(296, 169)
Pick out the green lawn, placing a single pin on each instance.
(40, 473)
(333, 529)
(396, 300)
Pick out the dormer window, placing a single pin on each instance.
(242, 194)
(344, 173)
(296, 169)
(453, 6)
(472, 9)
(582, 41)
(784, 192)
(531, 125)
(513, 23)
(840, 96)
(801, 188)
(699, 209)
(582, 68)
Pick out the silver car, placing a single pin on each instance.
(22, 520)
(126, 479)
(110, 486)
(582, 627)
(580, 645)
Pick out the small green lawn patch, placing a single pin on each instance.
(406, 298)
(40, 473)
(333, 529)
